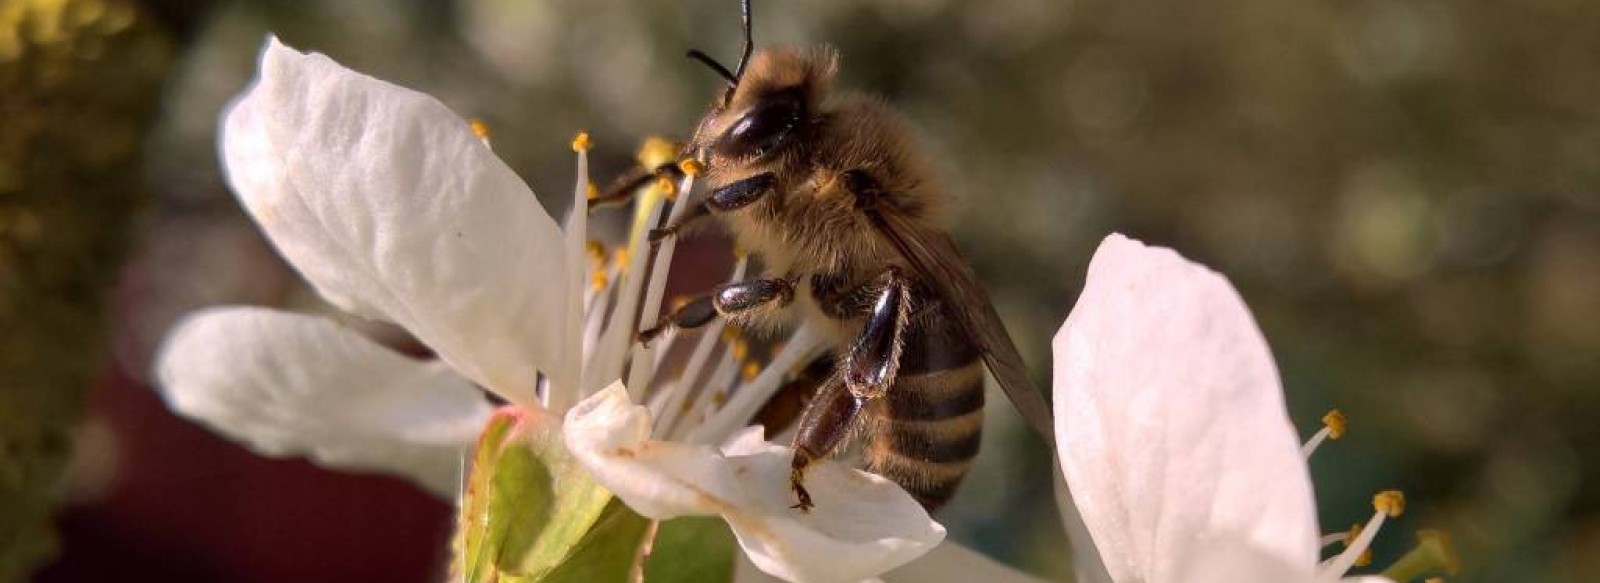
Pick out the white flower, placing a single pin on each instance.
(1172, 435)
(1169, 415)
(394, 209)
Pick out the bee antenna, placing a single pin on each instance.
(715, 66)
(749, 45)
(734, 76)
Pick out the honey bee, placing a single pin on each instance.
(828, 190)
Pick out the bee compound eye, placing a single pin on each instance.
(765, 128)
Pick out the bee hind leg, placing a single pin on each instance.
(874, 358)
(826, 421)
(867, 373)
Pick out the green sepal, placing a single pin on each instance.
(529, 506)
(692, 549)
(607, 553)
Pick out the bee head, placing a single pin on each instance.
(777, 95)
(770, 94)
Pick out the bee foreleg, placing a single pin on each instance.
(690, 216)
(622, 189)
(874, 357)
(731, 197)
(827, 420)
(740, 194)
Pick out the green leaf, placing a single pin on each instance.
(530, 508)
(692, 549)
(607, 552)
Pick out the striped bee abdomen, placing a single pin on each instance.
(928, 426)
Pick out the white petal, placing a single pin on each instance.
(390, 206)
(1239, 564)
(289, 385)
(862, 525)
(745, 571)
(1170, 423)
(1087, 565)
(955, 563)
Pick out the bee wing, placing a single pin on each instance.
(934, 255)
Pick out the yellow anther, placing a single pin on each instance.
(620, 257)
(668, 187)
(591, 191)
(656, 151)
(1366, 555)
(479, 128)
(598, 281)
(720, 398)
(1390, 502)
(750, 370)
(1432, 555)
(596, 251)
(729, 334)
(691, 166)
(1335, 423)
(740, 349)
(580, 143)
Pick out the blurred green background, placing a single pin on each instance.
(1406, 192)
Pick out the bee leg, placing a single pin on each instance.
(690, 216)
(874, 358)
(783, 410)
(840, 300)
(731, 197)
(694, 313)
(622, 189)
(826, 421)
(730, 299)
(742, 297)
(740, 194)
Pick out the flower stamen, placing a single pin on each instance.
(1333, 427)
(1366, 555)
(480, 129)
(643, 361)
(656, 152)
(691, 166)
(1386, 504)
(748, 397)
(668, 187)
